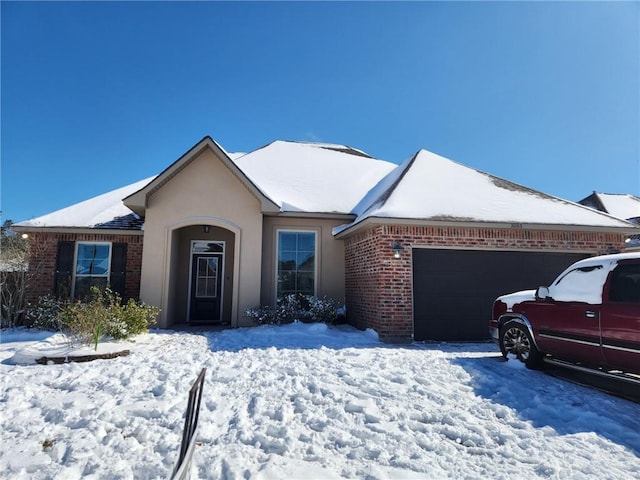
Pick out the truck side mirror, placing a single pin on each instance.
(542, 293)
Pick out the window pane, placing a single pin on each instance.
(202, 266)
(580, 285)
(287, 261)
(93, 259)
(211, 287)
(286, 282)
(625, 284)
(287, 241)
(212, 268)
(206, 247)
(84, 284)
(83, 267)
(102, 251)
(296, 263)
(305, 261)
(207, 277)
(85, 250)
(305, 283)
(92, 268)
(306, 242)
(100, 266)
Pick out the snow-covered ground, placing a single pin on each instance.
(307, 401)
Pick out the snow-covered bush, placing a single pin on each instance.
(303, 308)
(262, 315)
(45, 313)
(325, 310)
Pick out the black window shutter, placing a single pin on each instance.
(64, 270)
(118, 267)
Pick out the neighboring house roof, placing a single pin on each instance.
(429, 187)
(313, 177)
(103, 211)
(619, 205)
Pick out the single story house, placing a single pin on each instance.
(621, 205)
(416, 251)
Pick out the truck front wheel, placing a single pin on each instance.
(516, 342)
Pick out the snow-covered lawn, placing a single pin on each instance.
(307, 401)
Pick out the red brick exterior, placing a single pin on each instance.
(44, 249)
(378, 287)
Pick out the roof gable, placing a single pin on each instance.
(429, 187)
(313, 177)
(137, 201)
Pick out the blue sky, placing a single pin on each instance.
(96, 96)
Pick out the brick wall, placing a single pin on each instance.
(379, 291)
(44, 249)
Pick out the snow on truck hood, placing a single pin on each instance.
(517, 297)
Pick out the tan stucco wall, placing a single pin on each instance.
(330, 261)
(204, 192)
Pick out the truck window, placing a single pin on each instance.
(582, 284)
(625, 284)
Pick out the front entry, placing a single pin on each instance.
(207, 273)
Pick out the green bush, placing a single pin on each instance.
(86, 320)
(132, 319)
(100, 314)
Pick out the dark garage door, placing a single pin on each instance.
(454, 290)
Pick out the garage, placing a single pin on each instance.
(454, 290)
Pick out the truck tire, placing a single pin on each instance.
(516, 343)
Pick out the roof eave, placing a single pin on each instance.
(69, 229)
(373, 220)
(346, 217)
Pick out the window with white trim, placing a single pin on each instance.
(296, 263)
(92, 263)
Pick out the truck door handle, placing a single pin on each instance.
(590, 314)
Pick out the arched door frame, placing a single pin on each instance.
(214, 222)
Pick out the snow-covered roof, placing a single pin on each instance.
(620, 205)
(106, 211)
(430, 187)
(338, 179)
(297, 177)
(313, 177)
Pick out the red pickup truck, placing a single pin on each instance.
(588, 317)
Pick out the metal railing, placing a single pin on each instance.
(182, 470)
